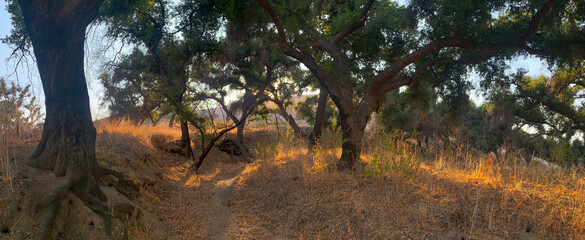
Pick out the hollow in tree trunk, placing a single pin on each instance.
(67, 146)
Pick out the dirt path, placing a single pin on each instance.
(220, 207)
(201, 207)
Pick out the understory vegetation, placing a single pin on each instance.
(289, 191)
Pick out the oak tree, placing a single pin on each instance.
(378, 46)
(56, 30)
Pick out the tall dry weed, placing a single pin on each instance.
(6, 170)
(8, 167)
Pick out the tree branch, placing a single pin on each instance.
(535, 21)
(355, 26)
(304, 58)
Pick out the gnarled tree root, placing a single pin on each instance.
(89, 192)
(125, 186)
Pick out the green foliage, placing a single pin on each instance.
(553, 106)
(409, 110)
(131, 90)
(307, 110)
(553, 103)
(18, 37)
(539, 115)
(168, 40)
(388, 157)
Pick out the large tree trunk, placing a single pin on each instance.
(353, 126)
(186, 139)
(315, 136)
(352, 141)
(67, 146)
(68, 140)
(240, 131)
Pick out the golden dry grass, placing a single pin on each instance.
(141, 133)
(292, 194)
(289, 192)
(398, 193)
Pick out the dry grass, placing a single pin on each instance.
(142, 133)
(289, 192)
(551, 200)
(402, 193)
(11, 147)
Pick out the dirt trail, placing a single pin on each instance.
(220, 207)
(201, 208)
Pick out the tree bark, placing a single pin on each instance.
(240, 130)
(315, 136)
(186, 139)
(172, 121)
(68, 137)
(290, 120)
(67, 147)
(352, 141)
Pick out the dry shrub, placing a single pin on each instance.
(7, 165)
(14, 144)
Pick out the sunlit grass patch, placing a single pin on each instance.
(459, 185)
(143, 133)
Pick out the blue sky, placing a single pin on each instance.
(28, 74)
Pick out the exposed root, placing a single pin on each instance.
(48, 219)
(105, 215)
(58, 193)
(123, 210)
(92, 196)
(51, 201)
(93, 201)
(234, 147)
(125, 187)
